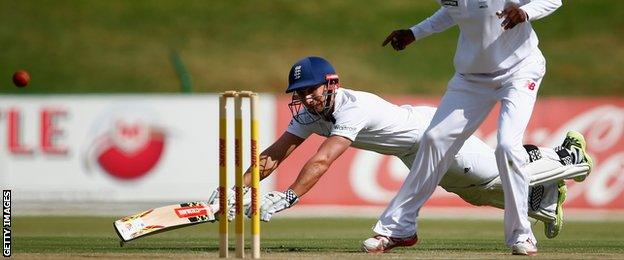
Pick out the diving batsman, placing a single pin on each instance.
(350, 118)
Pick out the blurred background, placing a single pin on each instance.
(127, 46)
(122, 106)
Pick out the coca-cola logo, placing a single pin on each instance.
(376, 178)
(603, 128)
(125, 145)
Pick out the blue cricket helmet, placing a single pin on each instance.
(308, 72)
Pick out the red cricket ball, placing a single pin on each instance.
(21, 78)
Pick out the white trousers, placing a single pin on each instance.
(464, 106)
(474, 177)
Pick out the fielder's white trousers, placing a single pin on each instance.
(464, 106)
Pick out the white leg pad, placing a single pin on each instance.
(553, 174)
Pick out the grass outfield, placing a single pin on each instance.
(78, 237)
(124, 46)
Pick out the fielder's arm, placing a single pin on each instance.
(540, 8)
(436, 23)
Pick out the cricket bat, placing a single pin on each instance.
(162, 219)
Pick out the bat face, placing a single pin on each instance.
(162, 219)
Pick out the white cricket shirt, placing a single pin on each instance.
(483, 46)
(372, 123)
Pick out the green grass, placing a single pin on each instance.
(69, 237)
(124, 46)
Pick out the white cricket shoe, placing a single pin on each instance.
(527, 248)
(382, 244)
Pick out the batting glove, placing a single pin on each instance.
(274, 202)
(231, 201)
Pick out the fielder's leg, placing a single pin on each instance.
(461, 111)
(516, 107)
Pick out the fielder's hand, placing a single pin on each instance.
(274, 202)
(231, 201)
(513, 15)
(399, 39)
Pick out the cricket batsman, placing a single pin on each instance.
(349, 118)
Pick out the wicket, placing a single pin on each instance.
(238, 158)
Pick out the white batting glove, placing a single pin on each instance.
(274, 202)
(231, 201)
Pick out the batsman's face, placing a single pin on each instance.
(312, 98)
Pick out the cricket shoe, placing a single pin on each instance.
(382, 244)
(575, 142)
(551, 229)
(527, 248)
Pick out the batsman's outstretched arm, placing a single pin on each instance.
(316, 166)
(274, 155)
(311, 172)
(270, 159)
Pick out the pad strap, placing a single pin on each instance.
(533, 151)
(564, 156)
